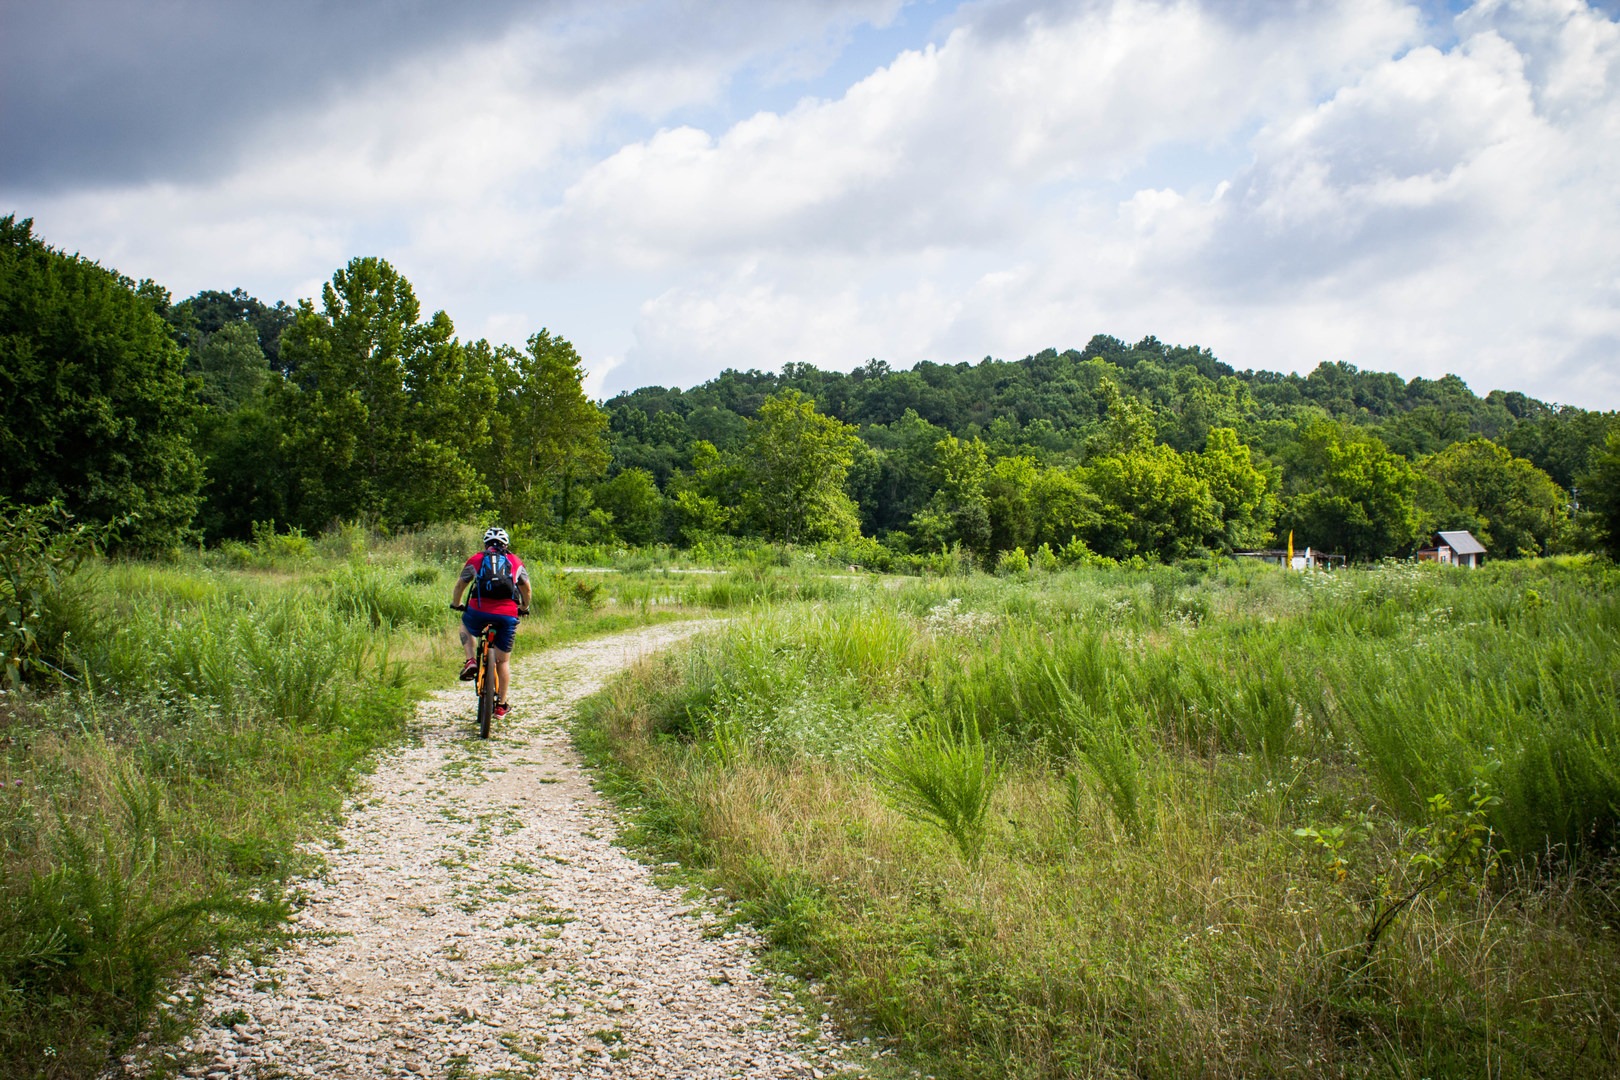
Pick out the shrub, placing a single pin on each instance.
(943, 778)
(40, 548)
(1012, 562)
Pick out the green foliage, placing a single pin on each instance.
(797, 462)
(1153, 503)
(634, 505)
(231, 367)
(944, 778)
(95, 411)
(1455, 848)
(362, 410)
(1015, 561)
(546, 436)
(1512, 507)
(1600, 488)
(385, 411)
(1351, 495)
(40, 548)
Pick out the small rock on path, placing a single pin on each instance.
(475, 919)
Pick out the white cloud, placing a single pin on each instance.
(948, 146)
(1437, 211)
(1284, 183)
(446, 159)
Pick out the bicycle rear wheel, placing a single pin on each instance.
(486, 689)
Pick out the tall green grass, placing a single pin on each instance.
(1045, 825)
(201, 718)
(212, 721)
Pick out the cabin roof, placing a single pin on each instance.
(1462, 542)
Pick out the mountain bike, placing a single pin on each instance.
(484, 682)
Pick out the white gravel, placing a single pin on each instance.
(475, 919)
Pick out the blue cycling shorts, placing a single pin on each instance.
(506, 627)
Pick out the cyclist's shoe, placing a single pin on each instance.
(469, 670)
(501, 709)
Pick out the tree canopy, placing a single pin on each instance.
(95, 408)
(211, 415)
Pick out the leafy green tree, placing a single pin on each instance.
(797, 461)
(384, 415)
(1511, 506)
(1242, 491)
(95, 410)
(1600, 493)
(906, 470)
(1153, 502)
(1127, 425)
(210, 311)
(702, 501)
(959, 510)
(548, 437)
(1009, 498)
(1351, 494)
(633, 500)
(1064, 507)
(247, 472)
(231, 367)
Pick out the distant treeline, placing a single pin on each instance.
(195, 420)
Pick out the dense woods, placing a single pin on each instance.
(198, 419)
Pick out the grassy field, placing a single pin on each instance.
(1212, 821)
(215, 710)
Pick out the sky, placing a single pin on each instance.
(679, 187)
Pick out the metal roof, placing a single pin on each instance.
(1463, 542)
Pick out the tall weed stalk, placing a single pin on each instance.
(942, 777)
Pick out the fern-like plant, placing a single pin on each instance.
(943, 778)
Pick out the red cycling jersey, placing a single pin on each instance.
(491, 606)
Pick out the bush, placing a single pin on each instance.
(1012, 562)
(40, 549)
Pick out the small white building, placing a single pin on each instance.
(1303, 560)
(1454, 548)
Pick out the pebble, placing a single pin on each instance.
(475, 907)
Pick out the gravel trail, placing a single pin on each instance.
(475, 919)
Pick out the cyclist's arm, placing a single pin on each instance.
(461, 586)
(525, 592)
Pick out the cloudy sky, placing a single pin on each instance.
(1425, 187)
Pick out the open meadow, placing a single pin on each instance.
(1214, 819)
(210, 712)
(1211, 821)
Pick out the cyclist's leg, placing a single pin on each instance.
(504, 638)
(470, 625)
(503, 673)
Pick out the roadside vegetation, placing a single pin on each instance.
(169, 732)
(1215, 820)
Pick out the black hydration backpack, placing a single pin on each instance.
(494, 578)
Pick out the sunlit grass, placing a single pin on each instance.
(1133, 900)
(214, 712)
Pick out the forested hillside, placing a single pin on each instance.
(194, 420)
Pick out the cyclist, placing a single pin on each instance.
(500, 593)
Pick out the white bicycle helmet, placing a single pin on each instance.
(496, 535)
